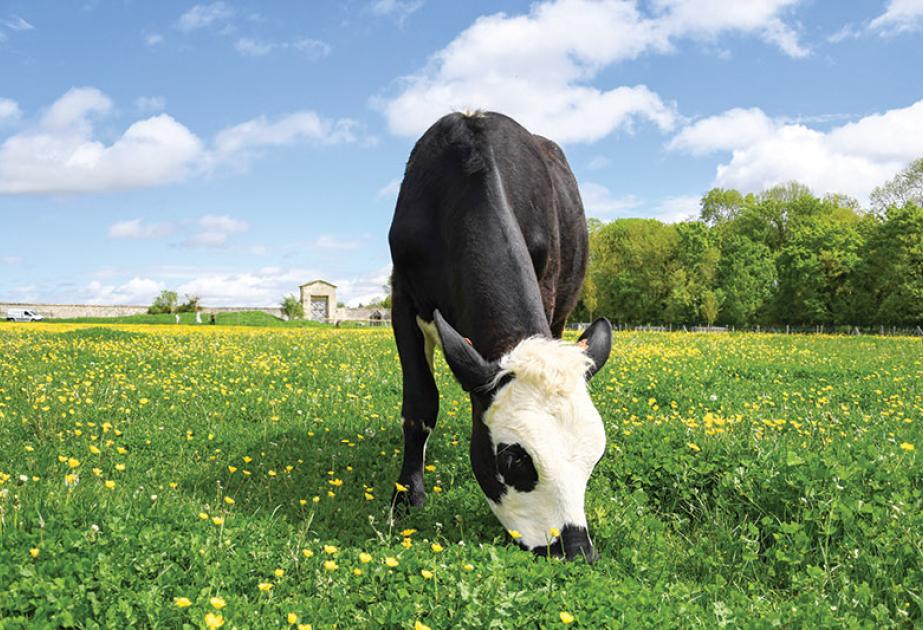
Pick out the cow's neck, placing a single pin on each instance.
(503, 303)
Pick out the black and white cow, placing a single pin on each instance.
(489, 245)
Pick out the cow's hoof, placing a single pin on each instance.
(402, 501)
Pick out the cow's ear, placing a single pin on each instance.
(467, 364)
(597, 341)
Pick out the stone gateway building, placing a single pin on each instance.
(319, 299)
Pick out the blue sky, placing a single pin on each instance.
(234, 150)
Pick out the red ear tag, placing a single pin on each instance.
(468, 341)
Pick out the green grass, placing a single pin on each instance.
(749, 480)
(242, 318)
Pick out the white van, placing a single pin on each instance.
(23, 315)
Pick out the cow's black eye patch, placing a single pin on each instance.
(515, 466)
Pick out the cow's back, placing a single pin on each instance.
(489, 229)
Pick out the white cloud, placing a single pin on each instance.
(599, 202)
(138, 229)
(707, 19)
(262, 287)
(149, 104)
(852, 158)
(223, 223)
(60, 155)
(23, 293)
(539, 67)
(397, 9)
(11, 260)
(599, 162)
(239, 141)
(136, 291)
(252, 48)
(204, 15)
(153, 39)
(676, 209)
(312, 48)
(390, 190)
(16, 23)
(900, 16)
(214, 231)
(9, 110)
(363, 289)
(325, 241)
(734, 129)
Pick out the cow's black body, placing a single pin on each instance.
(489, 230)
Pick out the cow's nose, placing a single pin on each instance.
(577, 544)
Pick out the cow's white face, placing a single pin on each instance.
(547, 436)
(537, 435)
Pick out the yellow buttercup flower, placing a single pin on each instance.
(213, 621)
(182, 602)
(391, 561)
(217, 603)
(566, 617)
(365, 558)
(265, 586)
(330, 565)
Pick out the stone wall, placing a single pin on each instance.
(61, 311)
(67, 311)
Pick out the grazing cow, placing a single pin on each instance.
(489, 245)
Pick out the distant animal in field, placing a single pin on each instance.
(489, 245)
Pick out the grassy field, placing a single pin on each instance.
(243, 318)
(176, 475)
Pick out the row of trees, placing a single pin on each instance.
(783, 256)
(168, 302)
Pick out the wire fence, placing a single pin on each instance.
(787, 329)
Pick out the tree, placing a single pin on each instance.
(745, 280)
(720, 205)
(906, 187)
(163, 303)
(815, 270)
(632, 264)
(890, 276)
(292, 307)
(710, 307)
(696, 261)
(191, 305)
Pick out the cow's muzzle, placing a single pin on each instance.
(573, 543)
(577, 544)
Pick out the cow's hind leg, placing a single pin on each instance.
(420, 402)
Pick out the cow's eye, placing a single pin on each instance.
(515, 466)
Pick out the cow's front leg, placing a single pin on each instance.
(420, 404)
